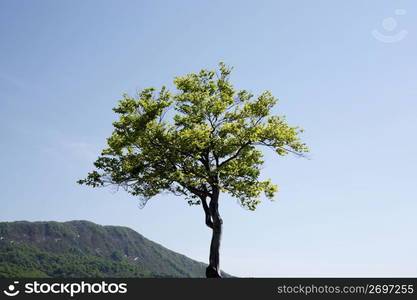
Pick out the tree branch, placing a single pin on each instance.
(235, 155)
(209, 221)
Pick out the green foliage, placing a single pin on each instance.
(85, 249)
(211, 142)
(20, 260)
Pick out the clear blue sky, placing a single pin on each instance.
(348, 211)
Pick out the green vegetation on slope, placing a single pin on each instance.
(85, 249)
(20, 260)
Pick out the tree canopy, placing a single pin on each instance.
(204, 136)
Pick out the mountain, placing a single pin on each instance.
(85, 249)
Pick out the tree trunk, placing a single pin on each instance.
(213, 270)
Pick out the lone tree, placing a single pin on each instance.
(208, 146)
